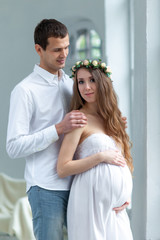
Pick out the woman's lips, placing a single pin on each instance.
(88, 94)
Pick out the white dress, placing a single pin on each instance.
(95, 193)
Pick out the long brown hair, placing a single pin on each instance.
(107, 109)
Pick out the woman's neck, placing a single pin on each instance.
(90, 108)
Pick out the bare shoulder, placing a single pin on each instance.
(74, 134)
(94, 124)
(88, 116)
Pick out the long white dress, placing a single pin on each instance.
(95, 193)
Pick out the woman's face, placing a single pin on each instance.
(86, 85)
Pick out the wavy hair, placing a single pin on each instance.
(108, 110)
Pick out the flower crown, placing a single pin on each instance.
(92, 64)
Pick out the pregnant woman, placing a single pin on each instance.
(96, 192)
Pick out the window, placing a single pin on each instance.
(88, 44)
(85, 42)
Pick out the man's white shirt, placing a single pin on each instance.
(37, 103)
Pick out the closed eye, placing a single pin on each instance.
(57, 50)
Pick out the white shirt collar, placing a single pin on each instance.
(49, 77)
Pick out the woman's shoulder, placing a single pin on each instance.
(88, 115)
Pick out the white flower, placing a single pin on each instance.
(103, 65)
(73, 68)
(108, 70)
(95, 63)
(77, 63)
(85, 62)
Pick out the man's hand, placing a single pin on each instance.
(118, 209)
(72, 120)
(124, 119)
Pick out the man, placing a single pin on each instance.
(38, 119)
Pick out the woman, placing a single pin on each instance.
(95, 192)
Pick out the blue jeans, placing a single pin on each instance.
(49, 208)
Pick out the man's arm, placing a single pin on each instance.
(20, 141)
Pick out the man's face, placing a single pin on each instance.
(53, 58)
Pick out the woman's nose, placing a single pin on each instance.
(87, 86)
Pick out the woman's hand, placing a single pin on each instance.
(119, 209)
(113, 157)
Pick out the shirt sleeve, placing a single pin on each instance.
(20, 143)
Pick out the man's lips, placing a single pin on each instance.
(61, 61)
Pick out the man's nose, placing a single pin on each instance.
(64, 52)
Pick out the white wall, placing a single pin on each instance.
(146, 119)
(118, 53)
(153, 120)
(17, 22)
(139, 122)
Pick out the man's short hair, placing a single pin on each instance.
(49, 28)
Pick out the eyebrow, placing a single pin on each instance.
(61, 47)
(83, 78)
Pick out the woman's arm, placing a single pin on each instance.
(66, 166)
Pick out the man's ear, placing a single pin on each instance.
(38, 49)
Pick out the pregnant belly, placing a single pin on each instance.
(107, 183)
(121, 181)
